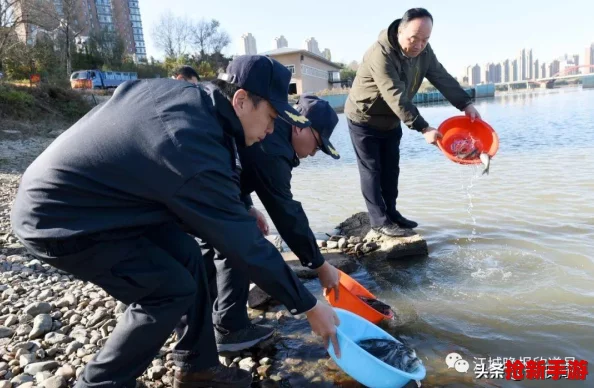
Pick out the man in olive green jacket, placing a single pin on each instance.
(390, 75)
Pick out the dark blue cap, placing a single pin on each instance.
(323, 119)
(267, 78)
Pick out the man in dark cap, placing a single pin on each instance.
(107, 200)
(266, 169)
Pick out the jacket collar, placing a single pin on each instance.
(226, 114)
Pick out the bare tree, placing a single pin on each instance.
(61, 20)
(204, 31)
(12, 17)
(172, 34)
(219, 41)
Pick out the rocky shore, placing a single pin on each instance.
(52, 324)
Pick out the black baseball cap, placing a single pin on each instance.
(323, 119)
(266, 78)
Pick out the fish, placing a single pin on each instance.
(393, 353)
(486, 160)
(468, 154)
(377, 305)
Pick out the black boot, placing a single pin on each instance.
(399, 219)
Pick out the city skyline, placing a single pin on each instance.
(526, 66)
(461, 35)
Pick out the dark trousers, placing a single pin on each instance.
(229, 288)
(378, 158)
(161, 277)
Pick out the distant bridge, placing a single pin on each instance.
(549, 82)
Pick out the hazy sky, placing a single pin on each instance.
(464, 32)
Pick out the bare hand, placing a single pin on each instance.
(431, 135)
(260, 220)
(323, 321)
(471, 112)
(329, 278)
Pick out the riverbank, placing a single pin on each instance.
(51, 324)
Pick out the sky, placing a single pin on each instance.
(464, 33)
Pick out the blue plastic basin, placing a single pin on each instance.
(359, 364)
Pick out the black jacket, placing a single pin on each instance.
(158, 151)
(267, 168)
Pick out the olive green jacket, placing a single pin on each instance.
(386, 82)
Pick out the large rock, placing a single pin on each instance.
(336, 258)
(257, 297)
(376, 246)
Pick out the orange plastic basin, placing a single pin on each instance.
(348, 299)
(460, 136)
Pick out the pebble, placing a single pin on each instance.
(247, 364)
(6, 332)
(52, 325)
(42, 324)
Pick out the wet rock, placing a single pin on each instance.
(257, 297)
(247, 364)
(341, 261)
(156, 372)
(277, 241)
(5, 384)
(378, 246)
(264, 370)
(332, 244)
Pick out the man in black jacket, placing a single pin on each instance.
(266, 169)
(105, 201)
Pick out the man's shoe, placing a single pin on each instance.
(241, 339)
(218, 376)
(403, 222)
(391, 230)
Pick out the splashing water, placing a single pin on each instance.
(468, 181)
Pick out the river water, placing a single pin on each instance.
(510, 271)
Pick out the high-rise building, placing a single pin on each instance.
(513, 71)
(554, 67)
(536, 70)
(280, 42)
(521, 64)
(529, 65)
(589, 59)
(89, 17)
(326, 54)
(474, 75)
(485, 73)
(311, 45)
(248, 44)
(505, 75)
(135, 22)
(544, 70)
